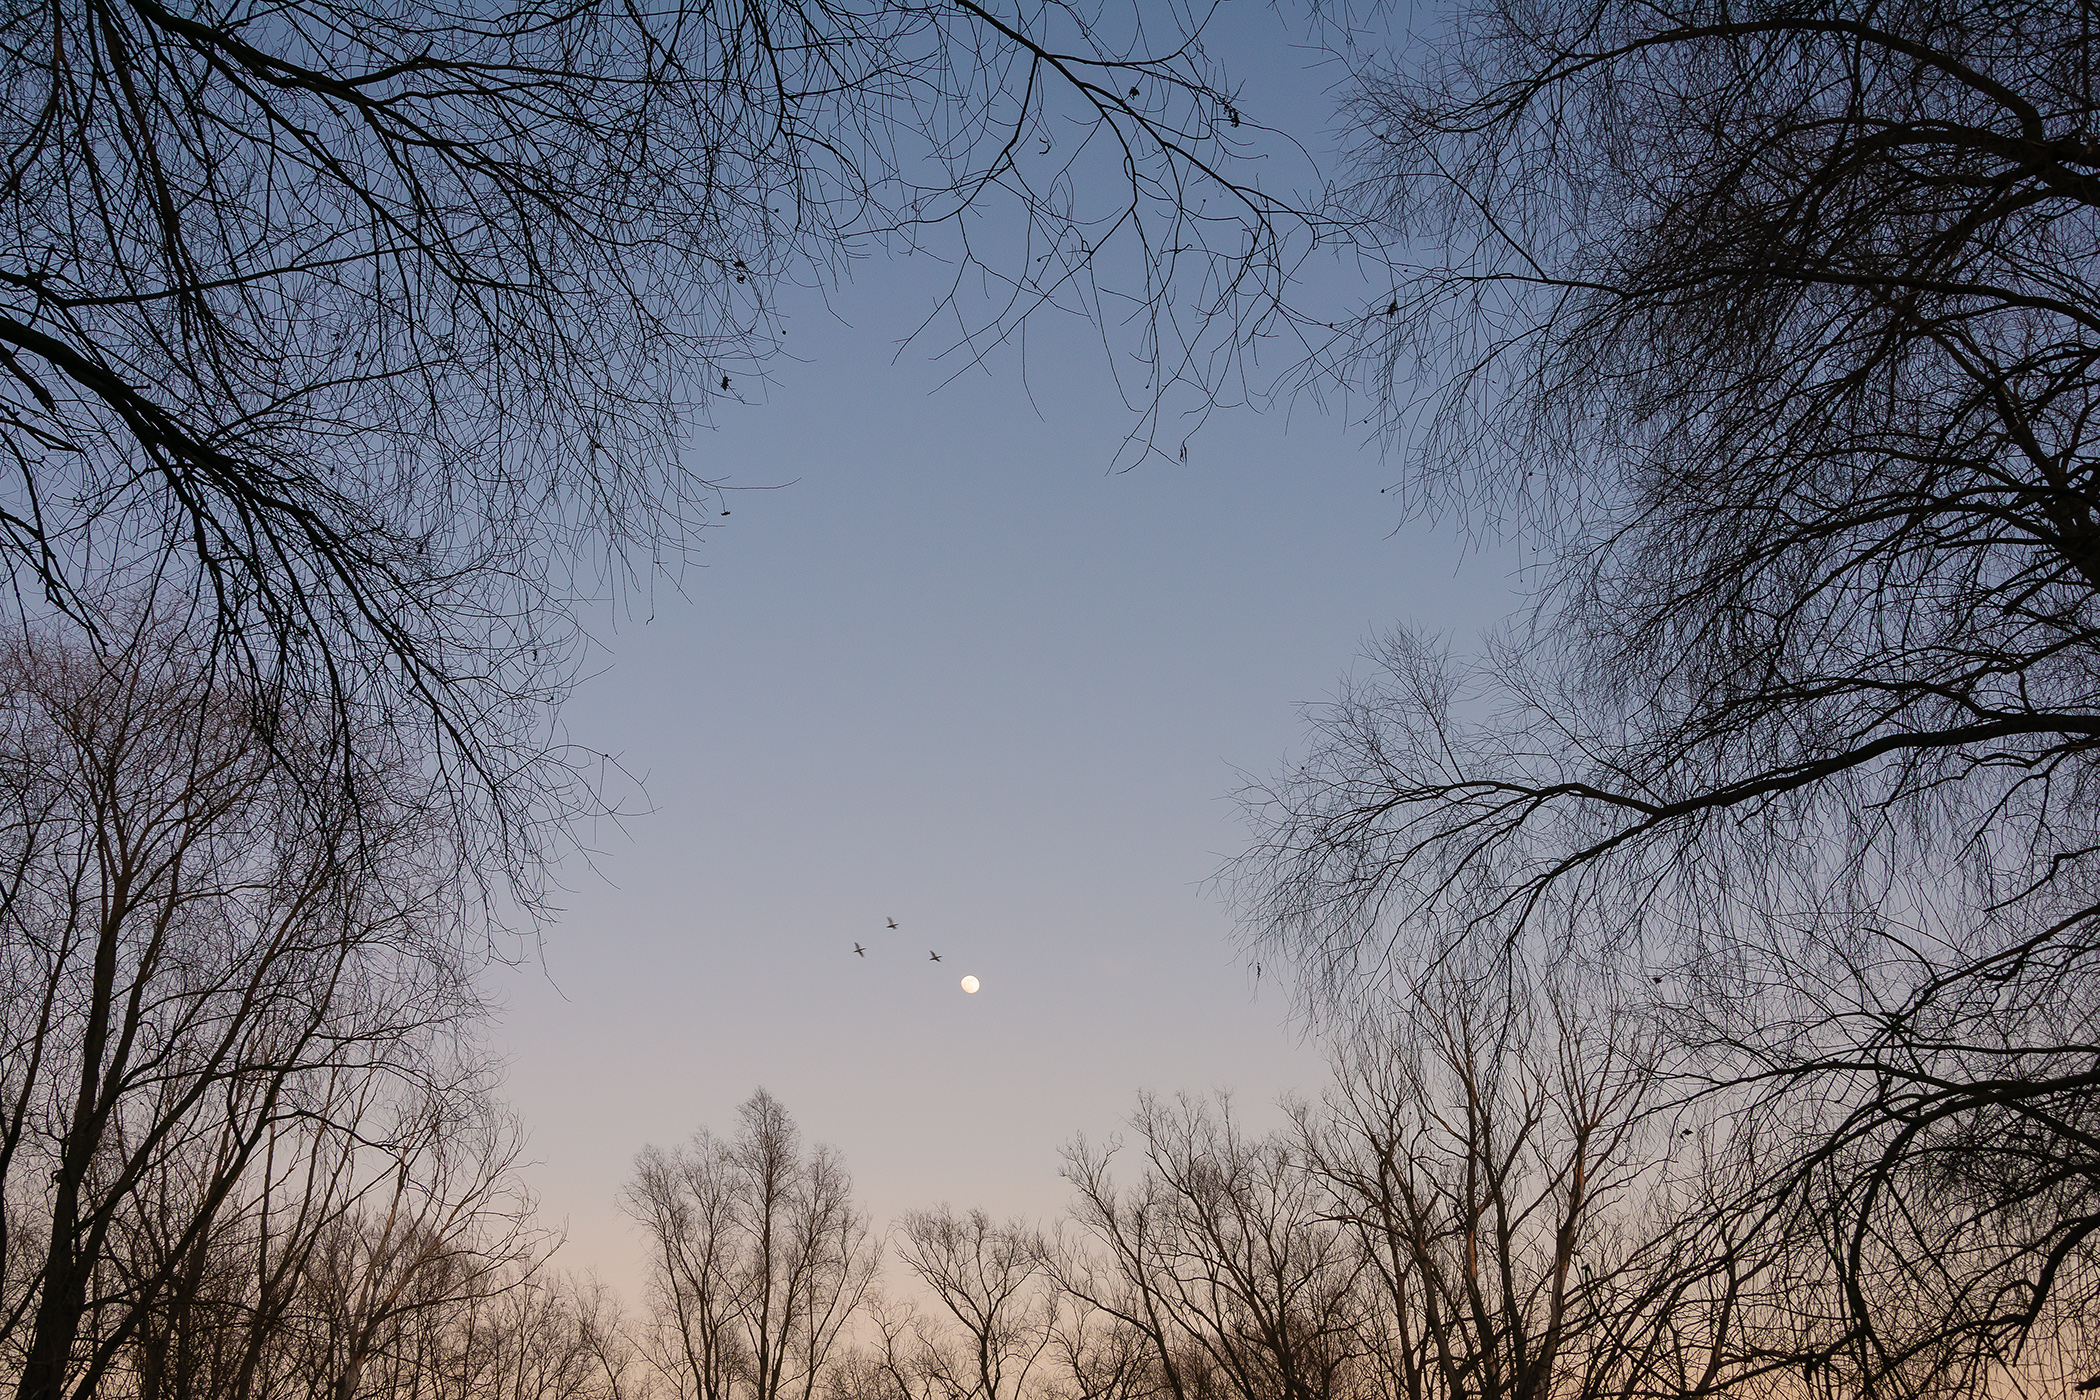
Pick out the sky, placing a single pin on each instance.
(959, 673)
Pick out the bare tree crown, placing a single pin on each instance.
(1772, 330)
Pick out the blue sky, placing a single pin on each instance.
(959, 674)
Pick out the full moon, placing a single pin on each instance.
(970, 984)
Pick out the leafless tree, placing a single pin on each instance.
(445, 1229)
(1773, 331)
(991, 1281)
(1222, 1256)
(1097, 1356)
(536, 1337)
(200, 952)
(761, 1258)
(238, 1311)
(892, 1363)
(1499, 1197)
(364, 327)
(1488, 1144)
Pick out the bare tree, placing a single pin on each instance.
(1775, 329)
(199, 949)
(892, 1364)
(1500, 1197)
(991, 1281)
(364, 327)
(445, 1228)
(761, 1258)
(1097, 1356)
(258, 1300)
(1222, 1256)
(1487, 1144)
(537, 1337)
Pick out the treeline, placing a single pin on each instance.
(250, 1149)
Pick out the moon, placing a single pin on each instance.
(971, 984)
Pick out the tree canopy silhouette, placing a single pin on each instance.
(365, 325)
(1773, 329)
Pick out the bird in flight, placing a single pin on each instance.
(860, 950)
(893, 923)
(931, 954)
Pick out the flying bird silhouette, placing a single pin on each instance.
(860, 950)
(931, 954)
(893, 923)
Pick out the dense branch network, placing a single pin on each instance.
(1773, 329)
(361, 330)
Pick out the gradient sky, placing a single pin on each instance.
(961, 675)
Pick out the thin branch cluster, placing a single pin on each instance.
(372, 333)
(1771, 334)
